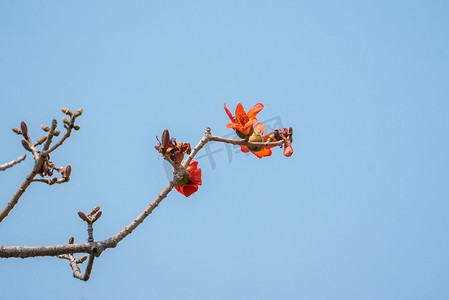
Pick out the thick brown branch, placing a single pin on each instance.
(95, 248)
(12, 163)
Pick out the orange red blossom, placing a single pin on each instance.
(247, 128)
(243, 122)
(190, 182)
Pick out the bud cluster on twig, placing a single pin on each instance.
(48, 167)
(92, 217)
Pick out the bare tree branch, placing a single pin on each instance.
(12, 163)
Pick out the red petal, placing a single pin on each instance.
(229, 113)
(255, 110)
(259, 128)
(244, 149)
(189, 189)
(239, 112)
(195, 177)
(264, 152)
(192, 166)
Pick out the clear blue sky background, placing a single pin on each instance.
(360, 211)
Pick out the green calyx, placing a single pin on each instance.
(255, 138)
(244, 136)
(184, 180)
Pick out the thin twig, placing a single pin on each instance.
(12, 163)
(61, 141)
(26, 183)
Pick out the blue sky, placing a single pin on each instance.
(360, 211)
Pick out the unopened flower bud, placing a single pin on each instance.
(57, 132)
(288, 150)
(45, 128)
(95, 209)
(66, 111)
(68, 170)
(82, 216)
(17, 131)
(165, 139)
(42, 140)
(79, 112)
(26, 145)
(81, 259)
(255, 138)
(97, 216)
(76, 127)
(54, 179)
(71, 240)
(24, 128)
(65, 121)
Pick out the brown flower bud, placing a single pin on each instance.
(65, 121)
(68, 170)
(165, 139)
(54, 179)
(42, 140)
(17, 131)
(57, 132)
(97, 216)
(79, 112)
(71, 240)
(66, 111)
(81, 260)
(82, 216)
(45, 128)
(288, 150)
(26, 145)
(95, 209)
(24, 128)
(76, 127)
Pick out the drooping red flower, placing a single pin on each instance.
(257, 136)
(243, 122)
(189, 184)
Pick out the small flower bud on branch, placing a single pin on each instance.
(76, 127)
(165, 139)
(24, 128)
(41, 140)
(26, 145)
(57, 132)
(83, 216)
(66, 121)
(71, 240)
(17, 131)
(97, 216)
(67, 112)
(45, 128)
(68, 171)
(94, 210)
(81, 260)
(79, 112)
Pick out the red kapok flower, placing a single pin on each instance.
(243, 122)
(189, 184)
(257, 136)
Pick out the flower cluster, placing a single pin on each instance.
(247, 128)
(174, 152)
